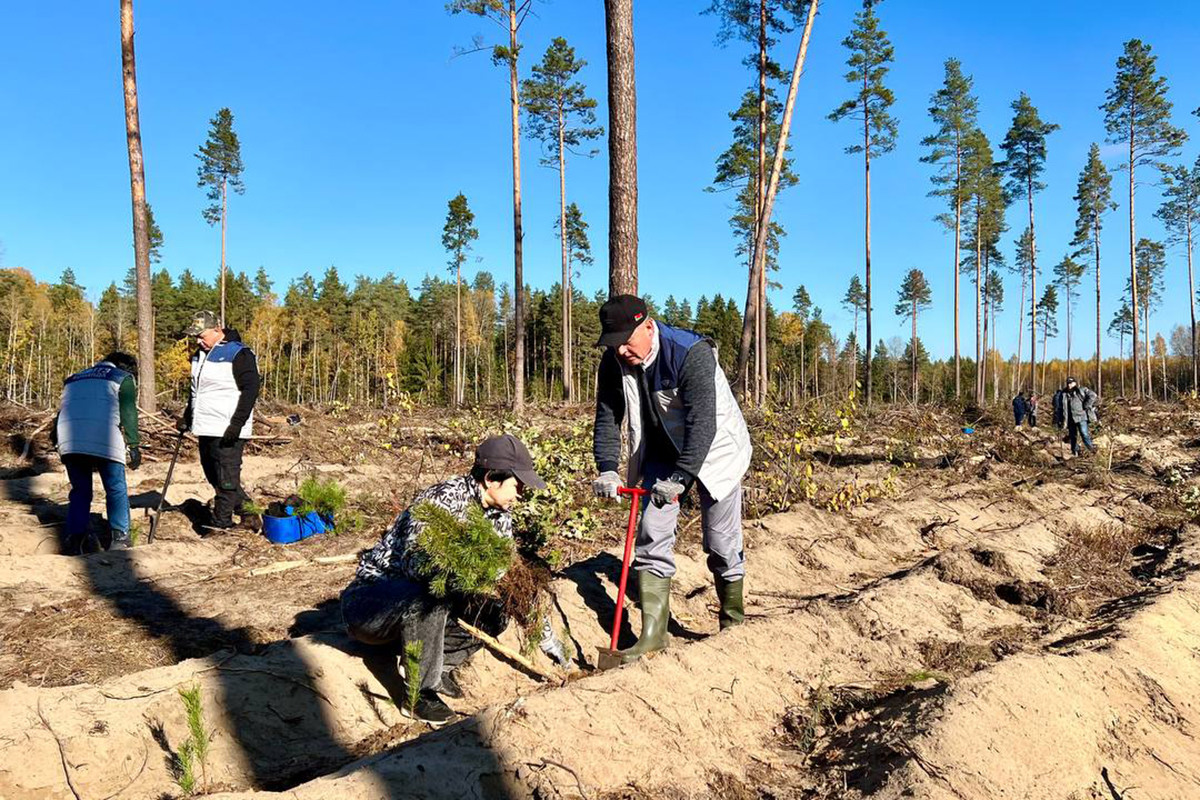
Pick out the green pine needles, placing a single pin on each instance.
(326, 497)
(465, 557)
(193, 752)
(412, 673)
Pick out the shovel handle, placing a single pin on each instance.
(635, 495)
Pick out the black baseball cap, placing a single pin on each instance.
(619, 317)
(506, 452)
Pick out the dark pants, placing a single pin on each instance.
(223, 470)
(1077, 429)
(388, 614)
(1019, 415)
(80, 471)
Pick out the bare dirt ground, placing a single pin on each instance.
(930, 614)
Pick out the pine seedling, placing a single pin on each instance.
(185, 769)
(326, 497)
(465, 557)
(412, 673)
(198, 735)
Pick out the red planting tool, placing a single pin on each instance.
(608, 656)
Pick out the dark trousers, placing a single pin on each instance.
(223, 470)
(390, 613)
(80, 471)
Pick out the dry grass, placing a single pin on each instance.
(1095, 564)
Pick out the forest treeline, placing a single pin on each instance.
(380, 343)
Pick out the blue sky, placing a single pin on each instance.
(357, 126)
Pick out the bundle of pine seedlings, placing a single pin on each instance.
(463, 557)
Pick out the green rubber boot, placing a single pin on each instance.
(655, 594)
(730, 594)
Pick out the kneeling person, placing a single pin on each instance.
(390, 602)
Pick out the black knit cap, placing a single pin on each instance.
(619, 317)
(506, 452)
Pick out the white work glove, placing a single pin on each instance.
(606, 484)
(667, 490)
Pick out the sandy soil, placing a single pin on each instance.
(1006, 623)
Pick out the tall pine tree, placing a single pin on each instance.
(1093, 194)
(1025, 159)
(1180, 215)
(870, 55)
(1137, 114)
(220, 170)
(562, 117)
(457, 235)
(954, 110)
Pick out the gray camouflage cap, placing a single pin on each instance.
(201, 322)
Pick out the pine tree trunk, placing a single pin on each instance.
(1192, 303)
(978, 299)
(568, 370)
(760, 348)
(1148, 365)
(622, 150)
(1096, 244)
(748, 321)
(224, 212)
(1033, 292)
(1016, 376)
(147, 396)
(867, 235)
(1133, 287)
(914, 349)
(518, 399)
(458, 373)
(957, 255)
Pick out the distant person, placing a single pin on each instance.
(1075, 409)
(225, 384)
(1020, 406)
(1032, 406)
(663, 385)
(97, 431)
(389, 604)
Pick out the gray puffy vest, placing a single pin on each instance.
(89, 416)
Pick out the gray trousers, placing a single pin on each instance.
(720, 521)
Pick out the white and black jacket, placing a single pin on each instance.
(225, 385)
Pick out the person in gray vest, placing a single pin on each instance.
(220, 412)
(97, 431)
(684, 427)
(1075, 409)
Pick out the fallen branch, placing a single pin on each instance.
(62, 754)
(29, 439)
(509, 653)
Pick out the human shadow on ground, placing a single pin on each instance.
(257, 726)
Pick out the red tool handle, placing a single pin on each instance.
(635, 496)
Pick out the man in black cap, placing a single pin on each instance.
(1075, 409)
(684, 427)
(389, 604)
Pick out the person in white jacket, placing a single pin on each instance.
(220, 411)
